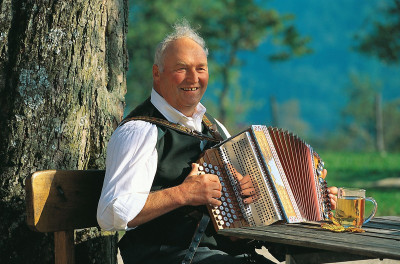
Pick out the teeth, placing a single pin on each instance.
(189, 89)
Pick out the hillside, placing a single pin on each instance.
(318, 80)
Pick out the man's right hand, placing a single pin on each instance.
(200, 189)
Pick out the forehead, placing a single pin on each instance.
(184, 50)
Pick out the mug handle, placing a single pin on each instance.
(372, 200)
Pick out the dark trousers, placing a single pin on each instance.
(135, 250)
(145, 253)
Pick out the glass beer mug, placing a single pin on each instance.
(350, 207)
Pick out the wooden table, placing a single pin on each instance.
(381, 240)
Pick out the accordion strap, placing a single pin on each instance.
(216, 136)
(198, 234)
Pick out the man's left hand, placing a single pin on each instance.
(332, 192)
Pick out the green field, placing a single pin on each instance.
(379, 175)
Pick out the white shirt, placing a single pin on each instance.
(131, 164)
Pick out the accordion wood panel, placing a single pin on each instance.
(284, 170)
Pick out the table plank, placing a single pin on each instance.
(317, 234)
(381, 239)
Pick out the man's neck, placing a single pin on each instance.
(172, 114)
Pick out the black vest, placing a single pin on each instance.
(176, 152)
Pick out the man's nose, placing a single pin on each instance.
(192, 76)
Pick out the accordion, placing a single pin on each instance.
(285, 173)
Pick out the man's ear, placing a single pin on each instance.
(156, 73)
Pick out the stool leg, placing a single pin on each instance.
(64, 248)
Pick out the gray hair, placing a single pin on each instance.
(182, 29)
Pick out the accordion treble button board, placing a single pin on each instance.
(228, 214)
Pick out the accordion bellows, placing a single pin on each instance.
(284, 170)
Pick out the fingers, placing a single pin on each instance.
(201, 188)
(246, 186)
(333, 190)
(333, 201)
(332, 194)
(248, 191)
(234, 172)
(245, 182)
(214, 202)
(250, 199)
(195, 169)
(213, 194)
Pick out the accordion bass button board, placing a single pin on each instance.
(284, 171)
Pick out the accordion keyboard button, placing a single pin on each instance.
(216, 168)
(201, 168)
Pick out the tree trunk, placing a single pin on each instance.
(380, 147)
(274, 111)
(62, 84)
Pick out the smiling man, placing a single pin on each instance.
(152, 188)
(183, 78)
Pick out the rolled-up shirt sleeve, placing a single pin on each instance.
(130, 168)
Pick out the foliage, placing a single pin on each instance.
(391, 121)
(358, 125)
(229, 26)
(366, 170)
(359, 113)
(236, 113)
(383, 40)
(289, 118)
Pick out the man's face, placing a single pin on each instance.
(185, 76)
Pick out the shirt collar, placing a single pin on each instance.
(175, 116)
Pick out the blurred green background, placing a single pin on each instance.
(326, 70)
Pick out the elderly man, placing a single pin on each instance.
(152, 188)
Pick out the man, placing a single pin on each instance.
(152, 188)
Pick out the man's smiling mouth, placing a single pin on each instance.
(190, 89)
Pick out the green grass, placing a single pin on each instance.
(363, 170)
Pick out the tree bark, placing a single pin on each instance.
(379, 142)
(274, 111)
(62, 84)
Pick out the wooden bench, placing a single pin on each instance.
(61, 201)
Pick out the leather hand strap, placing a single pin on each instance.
(198, 234)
